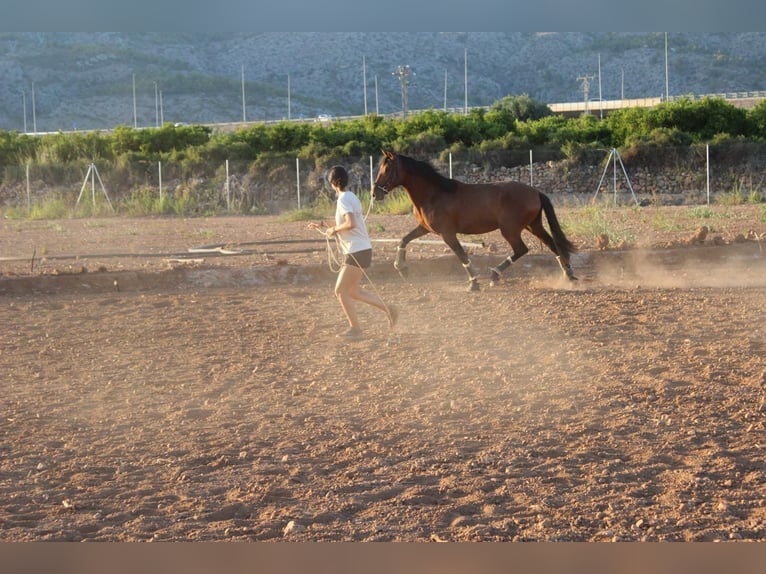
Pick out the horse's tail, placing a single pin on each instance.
(563, 245)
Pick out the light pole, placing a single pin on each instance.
(667, 89)
(24, 97)
(600, 98)
(364, 82)
(622, 84)
(244, 113)
(445, 90)
(34, 113)
(162, 116)
(465, 82)
(156, 106)
(135, 117)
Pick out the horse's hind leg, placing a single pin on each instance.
(400, 263)
(537, 229)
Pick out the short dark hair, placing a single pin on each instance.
(338, 176)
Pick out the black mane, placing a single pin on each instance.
(428, 172)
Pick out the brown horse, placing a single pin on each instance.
(447, 207)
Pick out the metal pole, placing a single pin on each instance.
(288, 101)
(600, 98)
(24, 97)
(93, 183)
(162, 115)
(614, 173)
(622, 84)
(707, 170)
(667, 89)
(465, 82)
(372, 177)
(159, 172)
(531, 170)
(298, 179)
(135, 116)
(228, 193)
(450, 165)
(364, 82)
(377, 112)
(244, 114)
(156, 106)
(445, 90)
(34, 113)
(29, 198)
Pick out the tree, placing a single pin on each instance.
(522, 108)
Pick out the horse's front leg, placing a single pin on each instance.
(400, 263)
(454, 244)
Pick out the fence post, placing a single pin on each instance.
(228, 194)
(707, 171)
(531, 170)
(298, 178)
(29, 197)
(372, 178)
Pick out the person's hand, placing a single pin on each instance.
(315, 225)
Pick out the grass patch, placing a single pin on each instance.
(396, 203)
(591, 221)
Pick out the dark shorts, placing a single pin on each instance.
(361, 259)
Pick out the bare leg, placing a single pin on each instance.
(348, 290)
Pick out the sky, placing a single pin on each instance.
(386, 15)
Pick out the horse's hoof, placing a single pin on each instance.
(403, 271)
(494, 278)
(474, 286)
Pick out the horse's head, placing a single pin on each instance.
(388, 175)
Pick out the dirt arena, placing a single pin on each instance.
(157, 393)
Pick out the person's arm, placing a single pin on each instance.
(348, 223)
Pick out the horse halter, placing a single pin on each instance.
(383, 186)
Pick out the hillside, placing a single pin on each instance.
(85, 80)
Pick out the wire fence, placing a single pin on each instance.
(666, 175)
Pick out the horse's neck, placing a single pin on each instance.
(420, 189)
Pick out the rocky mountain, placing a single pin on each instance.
(63, 81)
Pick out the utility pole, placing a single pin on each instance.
(586, 88)
(403, 73)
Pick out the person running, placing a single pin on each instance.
(351, 231)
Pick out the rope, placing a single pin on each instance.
(336, 264)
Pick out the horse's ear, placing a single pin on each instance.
(389, 154)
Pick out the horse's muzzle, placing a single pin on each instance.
(379, 192)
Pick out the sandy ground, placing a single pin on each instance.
(153, 393)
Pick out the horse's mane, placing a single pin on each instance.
(428, 172)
